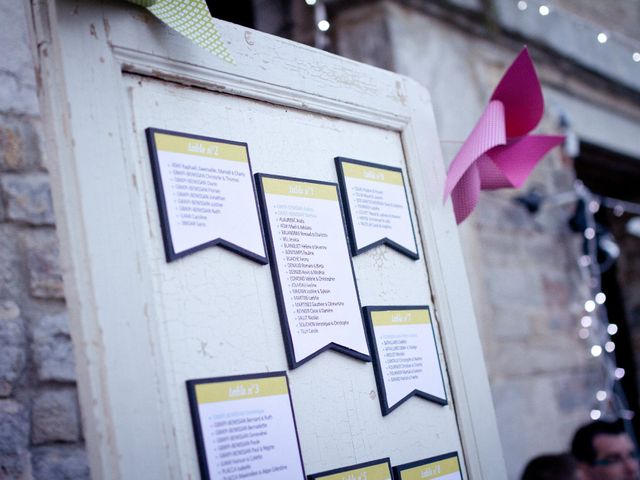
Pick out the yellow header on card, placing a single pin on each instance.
(383, 318)
(203, 148)
(373, 472)
(372, 174)
(240, 389)
(431, 470)
(293, 188)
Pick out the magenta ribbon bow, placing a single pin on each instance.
(499, 153)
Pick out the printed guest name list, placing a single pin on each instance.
(314, 273)
(378, 206)
(247, 429)
(207, 194)
(407, 357)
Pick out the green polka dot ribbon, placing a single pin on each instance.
(192, 19)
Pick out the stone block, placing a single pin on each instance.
(543, 249)
(498, 211)
(576, 390)
(563, 321)
(544, 355)
(362, 34)
(52, 349)
(524, 407)
(20, 145)
(499, 249)
(14, 434)
(11, 280)
(60, 463)
(45, 275)
(17, 76)
(27, 198)
(510, 323)
(557, 288)
(55, 417)
(515, 286)
(16, 465)
(13, 345)
(10, 149)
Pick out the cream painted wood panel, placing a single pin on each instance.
(141, 327)
(219, 312)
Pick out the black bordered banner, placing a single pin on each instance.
(249, 419)
(442, 467)
(311, 268)
(205, 194)
(376, 206)
(405, 355)
(374, 470)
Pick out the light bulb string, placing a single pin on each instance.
(592, 273)
(585, 23)
(616, 203)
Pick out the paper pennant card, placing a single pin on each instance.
(311, 268)
(245, 427)
(377, 206)
(442, 467)
(204, 187)
(405, 355)
(375, 470)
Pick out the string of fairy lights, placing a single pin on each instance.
(544, 9)
(601, 36)
(599, 252)
(602, 333)
(595, 327)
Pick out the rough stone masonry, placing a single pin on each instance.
(40, 427)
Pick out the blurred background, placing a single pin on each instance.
(554, 267)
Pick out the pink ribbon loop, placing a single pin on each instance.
(499, 153)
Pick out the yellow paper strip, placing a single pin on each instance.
(431, 470)
(240, 389)
(203, 148)
(371, 173)
(373, 472)
(293, 188)
(383, 318)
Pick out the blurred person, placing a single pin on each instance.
(605, 451)
(561, 466)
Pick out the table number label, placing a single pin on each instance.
(205, 195)
(377, 206)
(311, 266)
(375, 470)
(245, 428)
(405, 356)
(443, 467)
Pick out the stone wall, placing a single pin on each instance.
(40, 427)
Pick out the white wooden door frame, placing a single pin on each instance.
(83, 48)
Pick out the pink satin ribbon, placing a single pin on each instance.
(499, 153)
